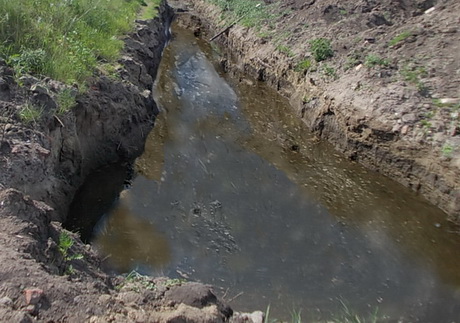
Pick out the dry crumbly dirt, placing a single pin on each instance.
(389, 97)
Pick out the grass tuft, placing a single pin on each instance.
(447, 150)
(65, 100)
(303, 66)
(285, 50)
(374, 60)
(30, 114)
(399, 38)
(413, 75)
(321, 49)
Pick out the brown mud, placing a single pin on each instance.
(44, 162)
(398, 117)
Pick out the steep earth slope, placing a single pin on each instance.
(387, 95)
(46, 273)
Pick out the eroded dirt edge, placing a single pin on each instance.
(42, 165)
(365, 125)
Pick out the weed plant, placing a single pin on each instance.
(63, 39)
(413, 75)
(65, 243)
(321, 49)
(144, 281)
(329, 71)
(447, 150)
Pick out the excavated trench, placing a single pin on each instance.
(231, 190)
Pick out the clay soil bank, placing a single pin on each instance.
(388, 97)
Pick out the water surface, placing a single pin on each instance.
(233, 191)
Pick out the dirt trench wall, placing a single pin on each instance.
(48, 160)
(43, 163)
(356, 130)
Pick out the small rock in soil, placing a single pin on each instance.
(6, 301)
(33, 295)
(408, 118)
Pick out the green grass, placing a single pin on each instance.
(144, 281)
(399, 38)
(295, 317)
(65, 100)
(348, 316)
(447, 150)
(285, 50)
(150, 9)
(249, 12)
(303, 66)
(452, 106)
(413, 75)
(374, 60)
(345, 315)
(353, 59)
(136, 282)
(321, 49)
(63, 39)
(425, 124)
(329, 71)
(30, 114)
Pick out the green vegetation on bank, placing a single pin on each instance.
(64, 39)
(346, 315)
(30, 114)
(399, 38)
(374, 60)
(249, 13)
(65, 244)
(321, 49)
(150, 9)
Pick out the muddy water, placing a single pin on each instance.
(232, 191)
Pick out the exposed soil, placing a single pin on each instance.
(43, 163)
(388, 98)
(383, 116)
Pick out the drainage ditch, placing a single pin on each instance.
(233, 191)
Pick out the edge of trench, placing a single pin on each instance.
(369, 142)
(40, 177)
(42, 168)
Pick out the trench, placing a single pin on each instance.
(233, 191)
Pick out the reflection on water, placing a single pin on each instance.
(233, 191)
(135, 241)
